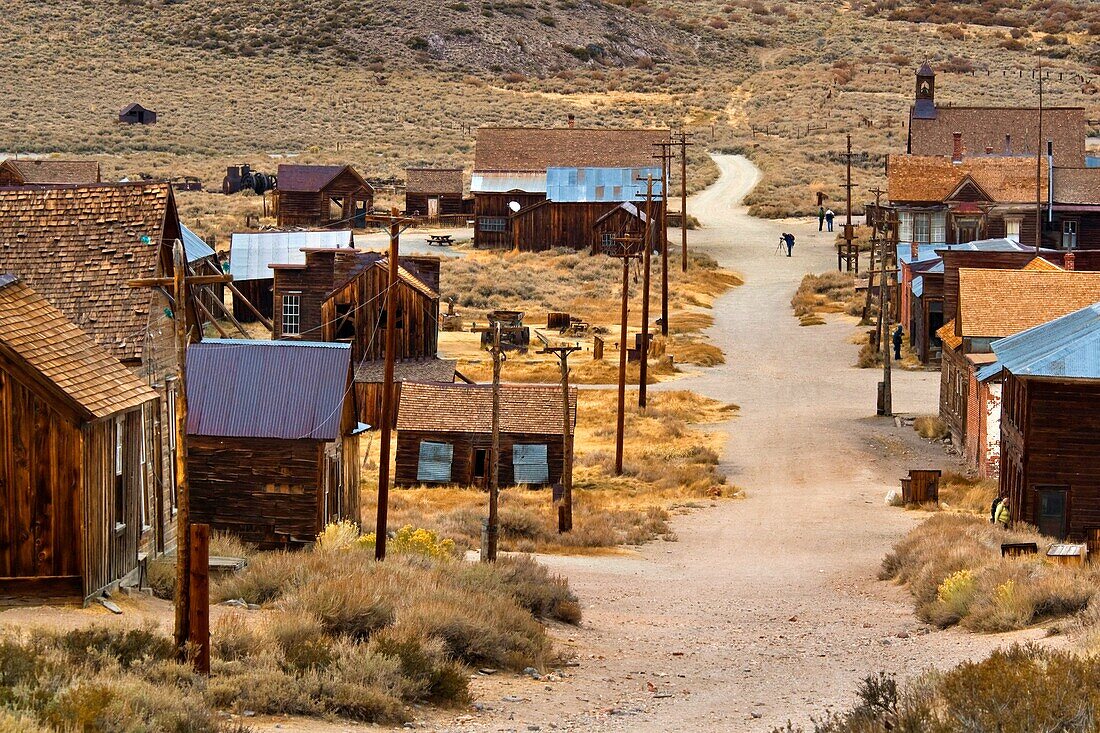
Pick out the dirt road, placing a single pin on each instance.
(767, 608)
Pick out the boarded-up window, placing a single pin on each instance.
(530, 464)
(435, 462)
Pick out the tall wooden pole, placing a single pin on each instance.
(390, 306)
(647, 245)
(874, 246)
(848, 232)
(620, 423)
(490, 554)
(884, 305)
(200, 596)
(565, 510)
(683, 203)
(1039, 170)
(183, 494)
(666, 158)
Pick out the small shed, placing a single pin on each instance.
(322, 196)
(75, 456)
(433, 192)
(625, 220)
(369, 379)
(135, 114)
(1050, 441)
(251, 255)
(273, 447)
(48, 172)
(445, 434)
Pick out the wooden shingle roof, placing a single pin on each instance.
(933, 178)
(999, 303)
(983, 127)
(78, 246)
(433, 180)
(532, 409)
(39, 334)
(1077, 186)
(53, 171)
(536, 149)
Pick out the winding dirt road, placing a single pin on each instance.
(767, 608)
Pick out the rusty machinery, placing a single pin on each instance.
(514, 336)
(241, 177)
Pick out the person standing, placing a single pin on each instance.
(1004, 514)
(789, 240)
(820, 218)
(829, 216)
(897, 343)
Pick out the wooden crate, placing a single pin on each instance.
(907, 491)
(925, 485)
(1067, 554)
(1018, 549)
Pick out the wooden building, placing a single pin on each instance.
(75, 464)
(433, 192)
(273, 447)
(994, 304)
(582, 173)
(322, 196)
(369, 381)
(1008, 132)
(1050, 433)
(924, 308)
(78, 247)
(47, 172)
(135, 114)
(1073, 216)
(445, 434)
(252, 256)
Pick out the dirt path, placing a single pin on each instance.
(766, 609)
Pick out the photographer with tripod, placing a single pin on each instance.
(787, 239)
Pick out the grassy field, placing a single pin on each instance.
(670, 463)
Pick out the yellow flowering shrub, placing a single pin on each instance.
(413, 541)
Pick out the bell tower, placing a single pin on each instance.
(925, 107)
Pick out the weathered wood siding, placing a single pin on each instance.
(1050, 437)
(311, 283)
(465, 445)
(417, 317)
(954, 378)
(316, 208)
(495, 205)
(551, 225)
(265, 491)
(417, 203)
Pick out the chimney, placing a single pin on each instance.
(1008, 145)
(572, 120)
(956, 147)
(914, 250)
(1069, 263)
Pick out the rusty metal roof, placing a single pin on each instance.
(312, 178)
(267, 389)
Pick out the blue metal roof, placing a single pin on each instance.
(292, 390)
(924, 252)
(988, 371)
(918, 286)
(571, 185)
(194, 245)
(1066, 347)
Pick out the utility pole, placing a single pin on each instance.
(666, 157)
(683, 202)
(625, 255)
(565, 510)
(180, 282)
(849, 232)
(382, 517)
(489, 552)
(1039, 170)
(647, 245)
(874, 246)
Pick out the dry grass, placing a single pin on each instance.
(931, 427)
(954, 569)
(668, 463)
(830, 292)
(968, 494)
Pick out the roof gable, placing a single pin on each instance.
(267, 389)
(314, 178)
(969, 190)
(999, 303)
(37, 333)
(48, 171)
(917, 178)
(1067, 347)
(468, 408)
(536, 149)
(77, 246)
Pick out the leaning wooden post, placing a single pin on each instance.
(183, 494)
(200, 596)
(390, 304)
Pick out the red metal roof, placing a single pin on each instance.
(267, 389)
(310, 178)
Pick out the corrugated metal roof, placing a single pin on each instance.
(576, 185)
(267, 389)
(251, 253)
(924, 252)
(989, 371)
(1067, 347)
(194, 245)
(527, 182)
(307, 178)
(629, 208)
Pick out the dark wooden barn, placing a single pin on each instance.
(75, 468)
(273, 447)
(1050, 425)
(135, 114)
(433, 192)
(47, 172)
(445, 434)
(78, 247)
(322, 196)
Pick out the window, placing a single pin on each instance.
(530, 465)
(607, 240)
(170, 428)
(434, 466)
(120, 484)
(922, 228)
(1069, 234)
(1012, 229)
(292, 309)
(492, 224)
(145, 498)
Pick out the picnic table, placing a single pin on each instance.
(440, 240)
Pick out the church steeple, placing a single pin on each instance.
(925, 106)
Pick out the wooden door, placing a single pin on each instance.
(433, 207)
(1052, 511)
